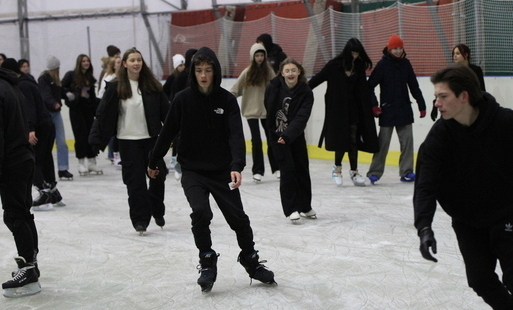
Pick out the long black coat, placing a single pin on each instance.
(347, 102)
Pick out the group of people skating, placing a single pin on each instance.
(137, 111)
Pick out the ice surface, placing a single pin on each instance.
(361, 252)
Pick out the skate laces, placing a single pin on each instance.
(20, 273)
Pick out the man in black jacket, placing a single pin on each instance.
(16, 174)
(472, 143)
(212, 154)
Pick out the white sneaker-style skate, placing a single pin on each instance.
(257, 178)
(172, 164)
(336, 174)
(309, 215)
(294, 217)
(357, 178)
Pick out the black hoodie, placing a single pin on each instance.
(210, 126)
(14, 145)
(37, 112)
(467, 170)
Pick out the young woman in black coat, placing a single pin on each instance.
(349, 123)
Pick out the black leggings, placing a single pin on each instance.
(353, 151)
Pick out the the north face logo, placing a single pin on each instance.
(509, 227)
(219, 111)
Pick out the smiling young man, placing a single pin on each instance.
(464, 164)
(212, 153)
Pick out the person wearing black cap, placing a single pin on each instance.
(41, 136)
(275, 54)
(16, 174)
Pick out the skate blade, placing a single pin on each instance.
(96, 172)
(206, 288)
(141, 233)
(65, 179)
(60, 204)
(311, 217)
(45, 207)
(26, 290)
(83, 174)
(296, 222)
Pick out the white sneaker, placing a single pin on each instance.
(336, 174)
(357, 178)
(257, 178)
(310, 214)
(294, 217)
(277, 174)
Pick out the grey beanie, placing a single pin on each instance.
(52, 62)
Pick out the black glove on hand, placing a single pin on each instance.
(427, 240)
(434, 112)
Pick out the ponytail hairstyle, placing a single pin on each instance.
(148, 83)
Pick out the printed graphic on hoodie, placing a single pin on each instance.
(281, 115)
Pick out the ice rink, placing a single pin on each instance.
(361, 252)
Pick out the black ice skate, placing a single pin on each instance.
(140, 229)
(25, 281)
(65, 175)
(160, 221)
(208, 271)
(255, 268)
(44, 201)
(55, 196)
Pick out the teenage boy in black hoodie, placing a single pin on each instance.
(212, 153)
(16, 174)
(472, 141)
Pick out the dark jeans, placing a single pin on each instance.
(16, 196)
(197, 188)
(481, 248)
(45, 169)
(143, 200)
(81, 118)
(295, 183)
(256, 148)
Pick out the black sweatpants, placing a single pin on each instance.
(295, 183)
(16, 196)
(256, 148)
(45, 169)
(143, 200)
(81, 117)
(197, 188)
(481, 248)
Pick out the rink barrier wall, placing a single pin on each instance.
(499, 87)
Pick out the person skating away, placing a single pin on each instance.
(275, 54)
(461, 55)
(16, 173)
(471, 140)
(394, 74)
(288, 101)
(81, 100)
(348, 123)
(251, 86)
(41, 137)
(133, 109)
(52, 93)
(208, 119)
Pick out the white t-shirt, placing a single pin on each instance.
(132, 120)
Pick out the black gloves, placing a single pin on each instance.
(434, 112)
(427, 240)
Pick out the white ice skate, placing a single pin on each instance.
(336, 174)
(92, 168)
(357, 178)
(309, 215)
(172, 164)
(82, 169)
(294, 217)
(25, 281)
(257, 178)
